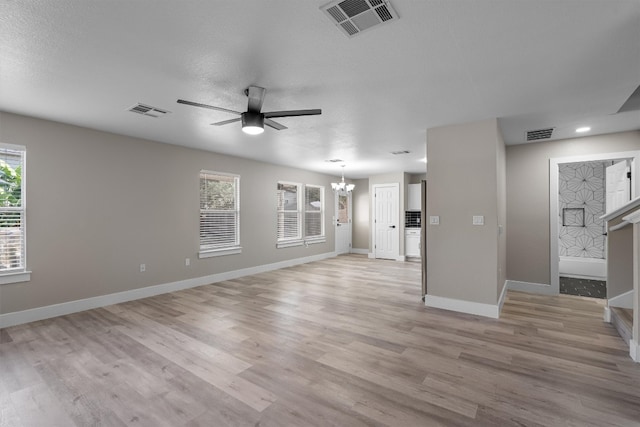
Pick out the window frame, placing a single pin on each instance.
(290, 241)
(321, 238)
(20, 274)
(208, 251)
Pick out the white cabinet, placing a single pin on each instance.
(412, 242)
(414, 197)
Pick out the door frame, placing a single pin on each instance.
(400, 226)
(554, 176)
(349, 195)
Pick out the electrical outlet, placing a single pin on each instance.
(143, 268)
(187, 262)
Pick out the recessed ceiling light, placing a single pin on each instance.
(583, 129)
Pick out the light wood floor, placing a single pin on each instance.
(341, 342)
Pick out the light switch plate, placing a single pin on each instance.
(434, 220)
(478, 220)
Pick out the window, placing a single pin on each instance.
(292, 214)
(219, 214)
(12, 215)
(314, 214)
(289, 214)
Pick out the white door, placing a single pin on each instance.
(343, 223)
(618, 185)
(386, 223)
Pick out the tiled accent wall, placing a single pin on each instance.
(582, 186)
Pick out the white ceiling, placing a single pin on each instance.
(532, 64)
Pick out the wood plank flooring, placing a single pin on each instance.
(341, 342)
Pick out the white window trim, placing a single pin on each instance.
(315, 240)
(21, 274)
(322, 238)
(289, 243)
(226, 250)
(209, 253)
(302, 239)
(298, 240)
(15, 277)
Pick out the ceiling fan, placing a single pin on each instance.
(253, 120)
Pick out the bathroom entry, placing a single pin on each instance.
(581, 232)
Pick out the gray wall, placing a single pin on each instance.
(528, 197)
(100, 204)
(416, 178)
(360, 226)
(501, 177)
(463, 180)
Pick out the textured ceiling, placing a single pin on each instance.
(532, 64)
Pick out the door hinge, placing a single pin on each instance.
(629, 175)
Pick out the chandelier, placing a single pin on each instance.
(342, 186)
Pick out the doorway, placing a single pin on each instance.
(386, 243)
(578, 198)
(343, 222)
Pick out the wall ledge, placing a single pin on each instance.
(46, 312)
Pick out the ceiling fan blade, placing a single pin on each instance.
(275, 125)
(256, 98)
(226, 122)
(211, 107)
(292, 113)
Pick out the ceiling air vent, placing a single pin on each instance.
(355, 16)
(147, 110)
(536, 135)
(334, 160)
(397, 153)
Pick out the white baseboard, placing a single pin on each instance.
(534, 288)
(624, 300)
(607, 315)
(401, 258)
(479, 309)
(41, 313)
(359, 251)
(634, 351)
(372, 255)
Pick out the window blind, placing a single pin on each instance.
(289, 212)
(313, 211)
(219, 210)
(12, 209)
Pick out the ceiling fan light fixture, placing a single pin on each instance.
(252, 123)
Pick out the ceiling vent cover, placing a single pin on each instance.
(536, 135)
(355, 16)
(147, 110)
(397, 153)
